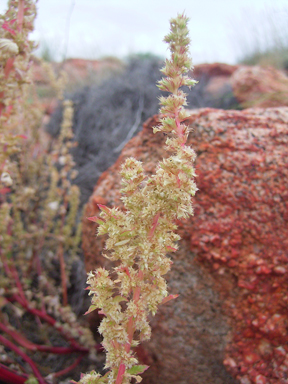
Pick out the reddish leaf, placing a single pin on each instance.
(168, 298)
(107, 210)
(171, 248)
(6, 26)
(96, 219)
(104, 208)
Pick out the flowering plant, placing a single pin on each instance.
(140, 237)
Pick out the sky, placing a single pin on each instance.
(220, 30)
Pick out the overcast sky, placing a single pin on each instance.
(219, 29)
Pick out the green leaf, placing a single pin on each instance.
(137, 369)
(31, 380)
(8, 255)
(118, 299)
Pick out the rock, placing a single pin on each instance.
(215, 81)
(260, 87)
(231, 269)
(79, 71)
(214, 70)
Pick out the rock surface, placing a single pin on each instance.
(260, 87)
(231, 268)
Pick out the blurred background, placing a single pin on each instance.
(225, 31)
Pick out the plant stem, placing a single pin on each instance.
(10, 376)
(68, 369)
(14, 348)
(21, 340)
(50, 320)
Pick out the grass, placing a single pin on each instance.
(263, 38)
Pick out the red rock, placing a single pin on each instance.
(229, 311)
(214, 70)
(77, 70)
(260, 87)
(240, 222)
(217, 76)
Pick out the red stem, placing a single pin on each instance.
(62, 262)
(13, 274)
(63, 275)
(14, 348)
(20, 15)
(130, 330)
(68, 369)
(21, 340)
(120, 373)
(50, 320)
(19, 285)
(9, 376)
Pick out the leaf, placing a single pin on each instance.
(168, 298)
(171, 248)
(22, 136)
(107, 210)
(6, 26)
(91, 309)
(126, 232)
(122, 242)
(104, 208)
(92, 218)
(31, 380)
(118, 299)
(137, 369)
(96, 219)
